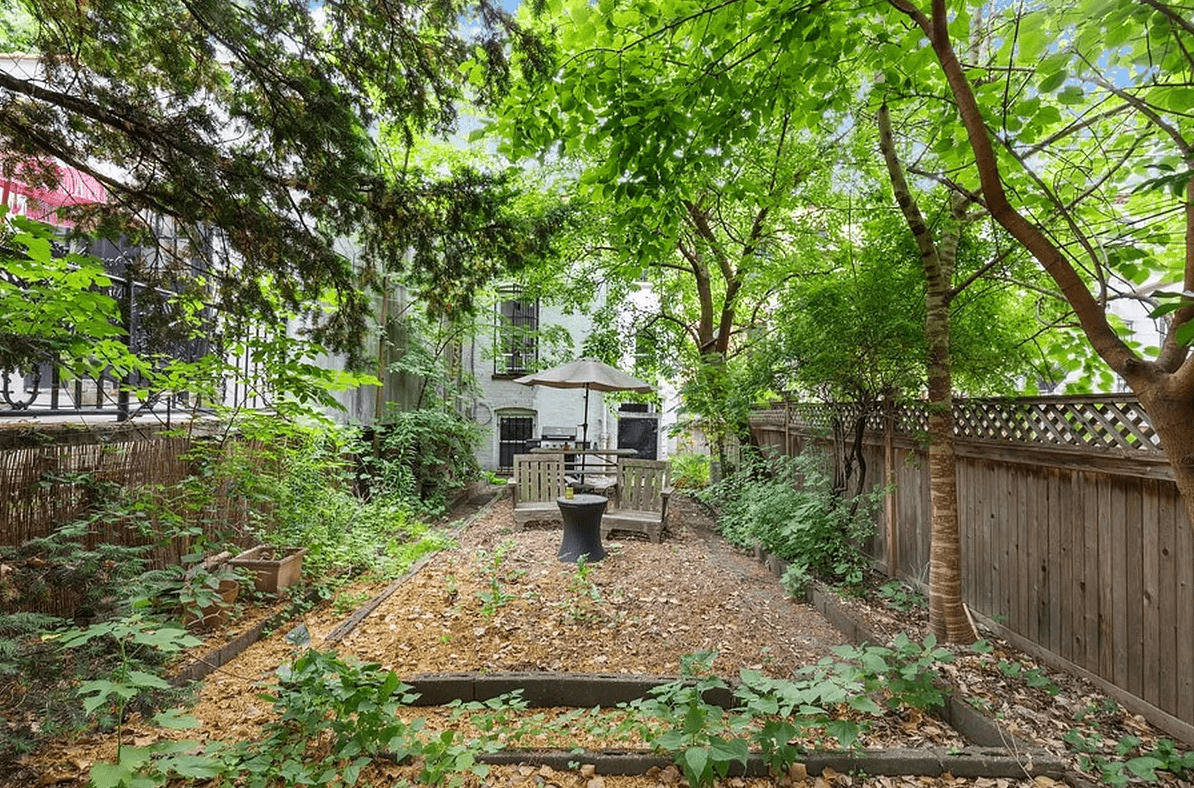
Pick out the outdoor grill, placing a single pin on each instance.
(556, 437)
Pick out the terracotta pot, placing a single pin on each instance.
(273, 568)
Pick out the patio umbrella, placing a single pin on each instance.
(586, 373)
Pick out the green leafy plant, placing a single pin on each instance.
(194, 592)
(334, 717)
(787, 505)
(796, 580)
(804, 708)
(299, 485)
(423, 457)
(495, 595)
(584, 597)
(690, 470)
(349, 601)
(1118, 768)
(1033, 677)
(905, 670)
(134, 767)
(902, 597)
(691, 729)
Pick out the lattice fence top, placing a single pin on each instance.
(1095, 422)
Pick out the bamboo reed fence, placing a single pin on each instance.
(50, 477)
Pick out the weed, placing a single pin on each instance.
(905, 670)
(1033, 677)
(902, 597)
(691, 729)
(137, 766)
(495, 594)
(788, 506)
(584, 599)
(349, 601)
(1105, 706)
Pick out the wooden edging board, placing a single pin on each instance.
(207, 664)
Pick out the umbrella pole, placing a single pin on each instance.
(585, 435)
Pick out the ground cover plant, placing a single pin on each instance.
(334, 718)
(297, 485)
(843, 700)
(787, 506)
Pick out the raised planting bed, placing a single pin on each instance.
(273, 568)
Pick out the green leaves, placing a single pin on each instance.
(51, 305)
(1052, 80)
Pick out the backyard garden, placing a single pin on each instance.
(458, 650)
(291, 250)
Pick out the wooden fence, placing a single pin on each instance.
(1075, 540)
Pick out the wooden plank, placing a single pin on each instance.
(1066, 588)
(997, 540)
(1026, 515)
(1105, 640)
(1007, 546)
(987, 517)
(1040, 558)
(1050, 564)
(1167, 595)
(909, 520)
(1185, 611)
(1132, 597)
(973, 578)
(980, 592)
(1118, 591)
(1118, 586)
(1090, 574)
(1150, 654)
(1021, 560)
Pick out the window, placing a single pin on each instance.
(515, 337)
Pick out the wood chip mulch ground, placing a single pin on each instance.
(499, 600)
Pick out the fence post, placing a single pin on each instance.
(787, 425)
(889, 495)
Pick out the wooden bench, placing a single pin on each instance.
(538, 480)
(641, 499)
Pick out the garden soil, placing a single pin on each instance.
(499, 600)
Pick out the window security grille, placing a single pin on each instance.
(515, 340)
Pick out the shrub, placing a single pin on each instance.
(304, 494)
(786, 505)
(690, 471)
(425, 456)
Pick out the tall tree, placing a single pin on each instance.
(938, 252)
(1124, 69)
(260, 120)
(694, 148)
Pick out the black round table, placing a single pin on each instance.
(582, 527)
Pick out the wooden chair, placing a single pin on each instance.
(538, 480)
(641, 504)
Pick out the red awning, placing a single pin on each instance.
(75, 187)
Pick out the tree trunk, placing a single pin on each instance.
(947, 615)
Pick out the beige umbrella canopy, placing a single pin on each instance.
(586, 373)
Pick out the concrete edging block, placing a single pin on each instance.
(897, 762)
